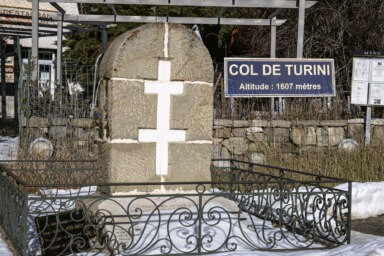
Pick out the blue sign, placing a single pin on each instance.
(245, 77)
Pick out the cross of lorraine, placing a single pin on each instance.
(163, 135)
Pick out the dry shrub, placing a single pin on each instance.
(361, 164)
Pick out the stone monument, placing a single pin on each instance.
(156, 99)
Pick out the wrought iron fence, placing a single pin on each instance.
(304, 203)
(60, 113)
(246, 207)
(14, 210)
(48, 99)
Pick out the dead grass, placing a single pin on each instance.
(362, 164)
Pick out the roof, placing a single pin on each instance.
(15, 19)
(24, 4)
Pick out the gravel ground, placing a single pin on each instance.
(372, 225)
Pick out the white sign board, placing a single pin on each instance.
(376, 94)
(9, 65)
(378, 70)
(359, 93)
(368, 81)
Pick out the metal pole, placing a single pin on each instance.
(273, 53)
(300, 32)
(16, 74)
(368, 119)
(59, 52)
(281, 105)
(273, 38)
(35, 42)
(329, 103)
(349, 212)
(104, 38)
(3, 86)
(232, 105)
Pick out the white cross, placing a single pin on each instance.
(162, 135)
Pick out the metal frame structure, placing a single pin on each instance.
(202, 3)
(38, 29)
(16, 27)
(24, 29)
(223, 4)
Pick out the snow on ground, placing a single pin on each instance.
(8, 148)
(4, 251)
(366, 202)
(367, 199)
(362, 245)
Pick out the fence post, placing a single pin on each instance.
(349, 212)
(59, 53)
(3, 45)
(199, 216)
(281, 194)
(24, 223)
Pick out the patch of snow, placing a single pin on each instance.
(8, 148)
(367, 199)
(4, 251)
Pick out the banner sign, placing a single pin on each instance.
(246, 77)
(22, 14)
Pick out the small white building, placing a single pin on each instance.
(16, 20)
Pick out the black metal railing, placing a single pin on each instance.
(237, 211)
(14, 209)
(304, 203)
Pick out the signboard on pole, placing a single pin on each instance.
(368, 81)
(252, 77)
(368, 84)
(9, 65)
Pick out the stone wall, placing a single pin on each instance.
(234, 138)
(251, 139)
(70, 137)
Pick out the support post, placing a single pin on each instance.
(16, 74)
(3, 86)
(59, 53)
(273, 53)
(368, 126)
(35, 43)
(273, 38)
(368, 117)
(232, 105)
(104, 38)
(300, 32)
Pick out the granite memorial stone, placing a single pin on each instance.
(156, 99)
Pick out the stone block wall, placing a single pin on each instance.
(250, 139)
(235, 138)
(75, 135)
